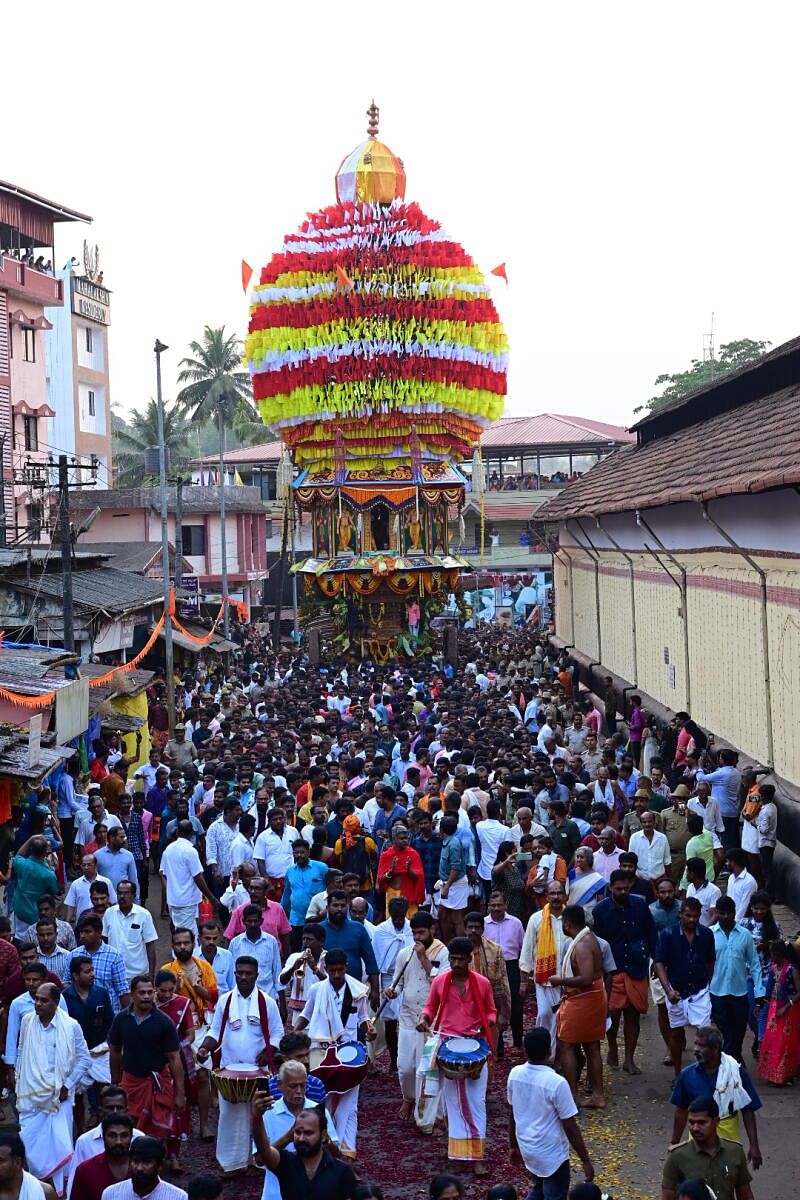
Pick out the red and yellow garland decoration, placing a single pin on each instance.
(412, 349)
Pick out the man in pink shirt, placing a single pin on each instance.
(461, 1005)
(593, 718)
(273, 921)
(509, 934)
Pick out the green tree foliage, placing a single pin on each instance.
(131, 438)
(732, 356)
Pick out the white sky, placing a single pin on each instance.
(634, 164)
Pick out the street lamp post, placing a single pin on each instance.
(159, 349)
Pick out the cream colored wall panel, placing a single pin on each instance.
(616, 623)
(585, 606)
(562, 597)
(659, 629)
(784, 643)
(727, 661)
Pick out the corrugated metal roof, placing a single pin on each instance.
(266, 452)
(101, 590)
(552, 429)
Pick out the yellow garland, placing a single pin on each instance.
(402, 395)
(299, 279)
(486, 337)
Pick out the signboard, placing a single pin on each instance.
(672, 676)
(666, 655)
(90, 300)
(188, 605)
(72, 711)
(34, 739)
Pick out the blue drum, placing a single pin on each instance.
(462, 1057)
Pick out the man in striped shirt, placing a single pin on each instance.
(109, 965)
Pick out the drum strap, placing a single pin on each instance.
(263, 1018)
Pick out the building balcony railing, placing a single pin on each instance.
(27, 283)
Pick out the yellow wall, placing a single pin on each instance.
(135, 706)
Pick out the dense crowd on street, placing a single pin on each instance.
(435, 865)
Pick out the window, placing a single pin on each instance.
(89, 339)
(268, 524)
(10, 340)
(29, 344)
(91, 399)
(30, 430)
(194, 540)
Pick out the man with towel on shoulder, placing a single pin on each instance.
(336, 1011)
(51, 1061)
(246, 1028)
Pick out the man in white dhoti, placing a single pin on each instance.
(389, 938)
(247, 1029)
(15, 1182)
(541, 956)
(414, 968)
(51, 1060)
(336, 1011)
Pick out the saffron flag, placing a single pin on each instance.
(247, 275)
(343, 280)
(500, 270)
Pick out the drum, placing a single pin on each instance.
(236, 1083)
(462, 1057)
(344, 1066)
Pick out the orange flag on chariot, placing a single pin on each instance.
(247, 275)
(343, 280)
(500, 270)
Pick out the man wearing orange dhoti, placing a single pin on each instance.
(583, 1010)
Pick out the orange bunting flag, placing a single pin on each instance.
(343, 280)
(500, 271)
(247, 275)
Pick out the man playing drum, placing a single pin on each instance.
(336, 1012)
(415, 968)
(246, 1027)
(461, 1005)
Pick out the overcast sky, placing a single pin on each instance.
(634, 164)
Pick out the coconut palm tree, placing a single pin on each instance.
(134, 436)
(217, 389)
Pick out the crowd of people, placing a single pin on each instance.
(439, 866)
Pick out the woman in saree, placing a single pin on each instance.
(586, 886)
(179, 1010)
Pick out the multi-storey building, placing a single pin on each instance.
(28, 287)
(77, 371)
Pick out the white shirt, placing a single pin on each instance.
(708, 895)
(19, 1007)
(147, 772)
(180, 863)
(245, 1044)
(77, 896)
(130, 934)
(516, 831)
(654, 857)
(541, 1101)
(85, 832)
(241, 850)
(712, 818)
(740, 890)
(491, 834)
(276, 852)
(413, 984)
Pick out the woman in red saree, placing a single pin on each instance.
(779, 1054)
(179, 1011)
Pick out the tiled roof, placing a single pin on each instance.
(264, 452)
(100, 590)
(552, 429)
(751, 449)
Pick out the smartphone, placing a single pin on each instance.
(262, 1084)
(524, 856)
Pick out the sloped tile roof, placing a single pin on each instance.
(552, 429)
(753, 448)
